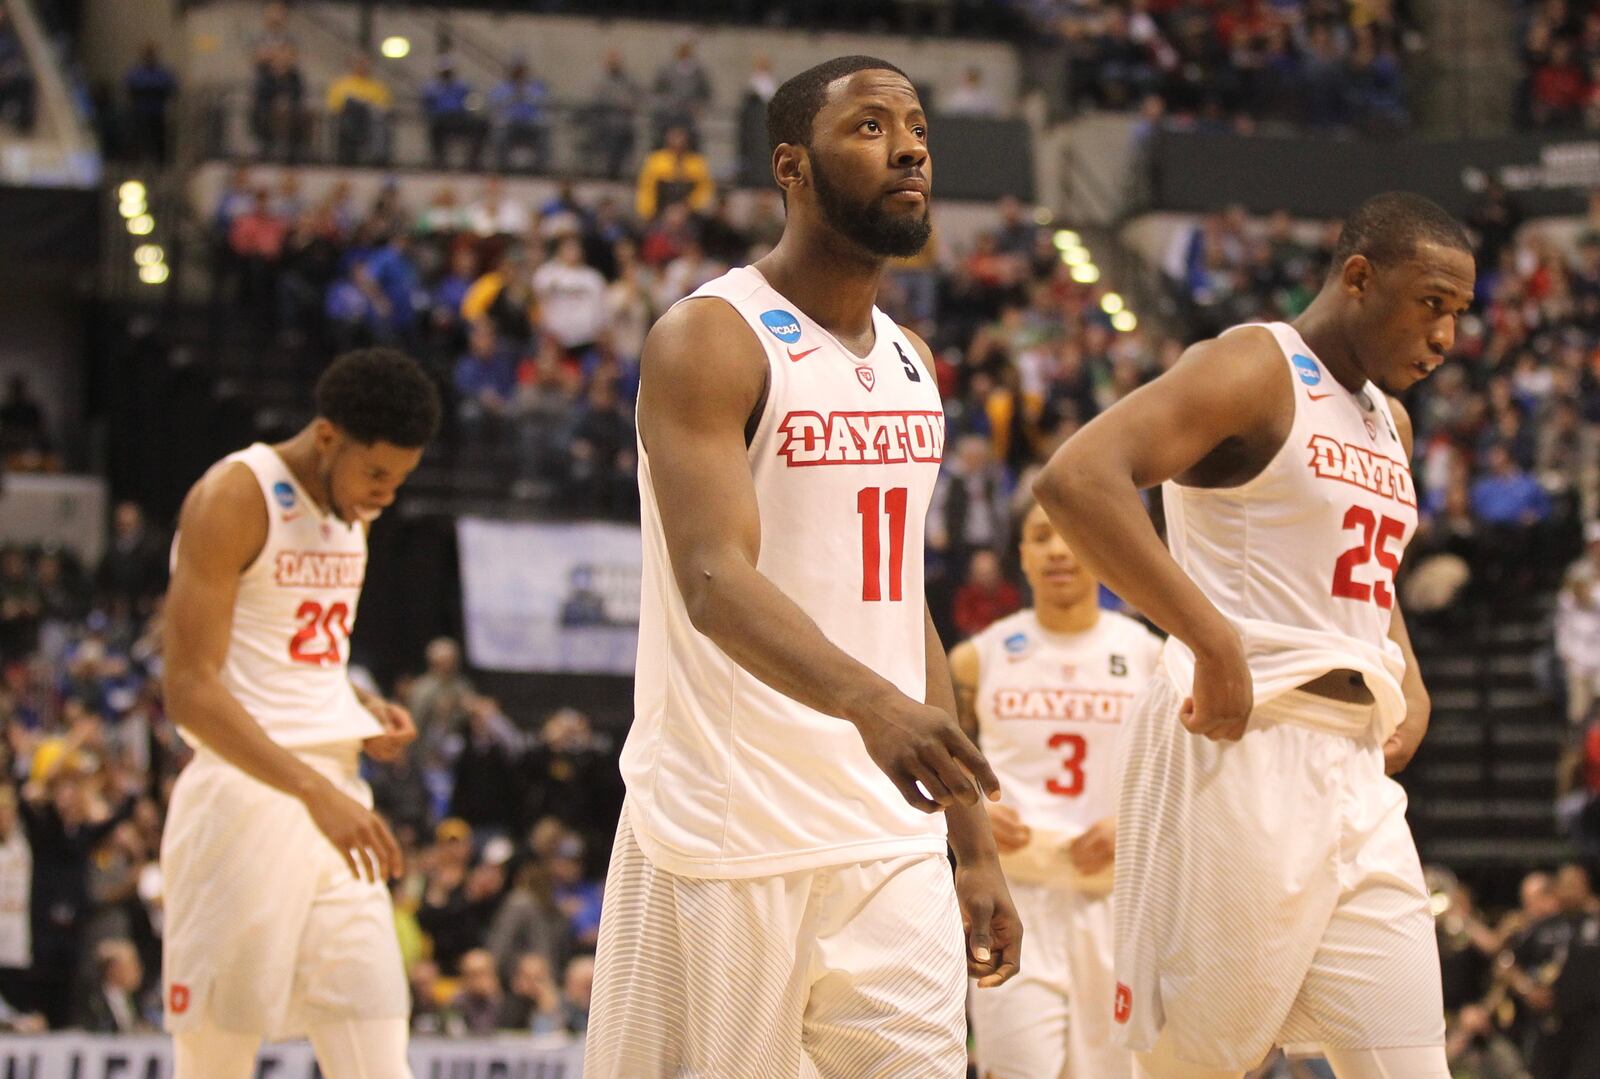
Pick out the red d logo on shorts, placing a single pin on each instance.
(178, 998)
(1124, 1004)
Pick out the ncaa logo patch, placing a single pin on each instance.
(782, 325)
(1016, 644)
(284, 494)
(1306, 368)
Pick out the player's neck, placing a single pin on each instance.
(1320, 327)
(828, 279)
(300, 455)
(1078, 618)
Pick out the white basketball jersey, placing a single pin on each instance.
(1302, 558)
(288, 650)
(1050, 710)
(726, 776)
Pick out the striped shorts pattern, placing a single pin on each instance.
(854, 971)
(1267, 892)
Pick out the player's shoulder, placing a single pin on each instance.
(225, 511)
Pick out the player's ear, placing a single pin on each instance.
(325, 433)
(787, 168)
(1356, 274)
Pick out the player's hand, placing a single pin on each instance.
(399, 731)
(1010, 834)
(1223, 692)
(1403, 743)
(1094, 851)
(989, 920)
(914, 742)
(357, 833)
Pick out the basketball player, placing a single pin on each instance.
(779, 902)
(1267, 886)
(1045, 692)
(278, 920)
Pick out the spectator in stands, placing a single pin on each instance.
(970, 98)
(968, 511)
(614, 101)
(1574, 890)
(274, 35)
(568, 774)
(1475, 1048)
(447, 105)
(572, 298)
(277, 110)
(1513, 507)
(529, 921)
(133, 571)
(57, 815)
(685, 273)
(1577, 629)
(479, 1002)
(682, 92)
(497, 213)
(485, 782)
(534, 1004)
(16, 78)
(601, 463)
(113, 1005)
(672, 175)
(16, 885)
(437, 694)
(1557, 88)
(21, 606)
(22, 427)
(429, 1016)
(459, 898)
(986, 596)
(762, 84)
(150, 85)
(359, 104)
(517, 113)
(577, 990)
(485, 382)
(578, 895)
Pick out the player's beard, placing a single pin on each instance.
(885, 234)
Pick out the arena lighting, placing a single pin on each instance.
(131, 191)
(143, 225)
(395, 48)
(1111, 303)
(1077, 256)
(149, 254)
(1086, 274)
(153, 274)
(1124, 322)
(1043, 216)
(132, 207)
(1065, 238)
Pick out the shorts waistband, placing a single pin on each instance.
(335, 760)
(1319, 713)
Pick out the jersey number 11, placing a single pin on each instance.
(893, 502)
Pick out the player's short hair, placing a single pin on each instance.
(1387, 229)
(379, 395)
(793, 109)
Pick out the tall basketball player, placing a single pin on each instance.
(1267, 886)
(278, 920)
(779, 901)
(1045, 691)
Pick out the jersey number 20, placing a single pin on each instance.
(319, 626)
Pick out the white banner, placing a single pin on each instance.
(550, 597)
(89, 1056)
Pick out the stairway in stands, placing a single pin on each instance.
(1483, 785)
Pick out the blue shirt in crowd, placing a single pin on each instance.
(1506, 500)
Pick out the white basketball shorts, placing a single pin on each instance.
(846, 972)
(1267, 890)
(267, 930)
(1053, 1020)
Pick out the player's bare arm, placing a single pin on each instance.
(994, 931)
(703, 376)
(1402, 744)
(223, 527)
(1213, 420)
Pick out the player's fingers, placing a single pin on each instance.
(932, 784)
(914, 797)
(980, 937)
(363, 860)
(350, 860)
(394, 858)
(955, 779)
(1005, 969)
(970, 758)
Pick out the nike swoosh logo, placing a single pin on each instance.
(798, 356)
(1318, 396)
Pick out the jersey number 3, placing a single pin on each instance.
(319, 626)
(1072, 765)
(1386, 529)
